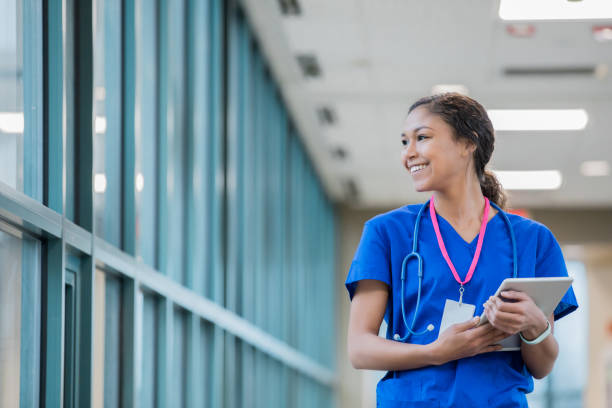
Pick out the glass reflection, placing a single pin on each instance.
(10, 319)
(107, 123)
(11, 95)
(146, 130)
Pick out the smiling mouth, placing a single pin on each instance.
(416, 169)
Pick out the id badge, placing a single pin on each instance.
(455, 312)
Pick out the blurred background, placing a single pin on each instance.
(183, 185)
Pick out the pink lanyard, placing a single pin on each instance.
(483, 227)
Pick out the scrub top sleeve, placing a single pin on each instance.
(550, 263)
(371, 260)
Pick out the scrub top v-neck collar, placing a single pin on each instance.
(448, 226)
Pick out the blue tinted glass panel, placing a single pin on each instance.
(11, 94)
(107, 120)
(10, 319)
(150, 332)
(146, 134)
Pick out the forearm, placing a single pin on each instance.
(371, 352)
(539, 358)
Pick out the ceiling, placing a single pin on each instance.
(378, 56)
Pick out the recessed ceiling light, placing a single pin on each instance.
(351, 191)
(339, 153)
(327, 116)
(552, 71)
(554, 10)
(11, 122)
(309, 65)
(538, 119)
(595, 168)
(290, 7)
(443, 88)
(530, 180)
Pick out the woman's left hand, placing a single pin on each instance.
(519, 315)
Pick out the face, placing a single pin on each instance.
(431, 154)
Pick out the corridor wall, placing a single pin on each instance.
(166, 238)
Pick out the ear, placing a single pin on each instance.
(469, 147)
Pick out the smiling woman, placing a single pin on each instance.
(439, 267)
(464, 136)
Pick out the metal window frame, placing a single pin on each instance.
(224, 321)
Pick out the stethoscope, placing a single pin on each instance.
(415, 254)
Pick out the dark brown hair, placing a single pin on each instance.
(469, 121)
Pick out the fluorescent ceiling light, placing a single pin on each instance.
(139, 182)
(555, 10)
(530, 180)
(100, 125)
(443, 88)
(595, 168)
(100, 93)
(11, 122)
(100, 183)
(538, 119)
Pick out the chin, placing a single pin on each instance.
(419, 188)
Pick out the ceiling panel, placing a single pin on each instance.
(377, 57)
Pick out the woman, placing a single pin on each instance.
(467, 252)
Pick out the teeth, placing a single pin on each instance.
(414, 169)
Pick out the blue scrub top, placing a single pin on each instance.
(497, 379)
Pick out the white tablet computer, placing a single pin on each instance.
(545, 292)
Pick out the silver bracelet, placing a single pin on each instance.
(540, 338)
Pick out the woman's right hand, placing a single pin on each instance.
(466, 340)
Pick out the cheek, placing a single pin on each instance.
(404, 157)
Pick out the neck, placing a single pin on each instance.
(461, 203)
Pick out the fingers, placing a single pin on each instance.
(500, 317)
(490, 348)
(486, 331)
(509, 317)
(510, 307)
(497, 337)
(512, 294)
(469, 324)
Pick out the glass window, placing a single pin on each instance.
(107, 124)
(11, 94)
(10, 319)
(107, 340)
(70, 317)
(176, 147)
(150, 332)
(565, 385)
(69, 112)
(146, 134)
(179, 347)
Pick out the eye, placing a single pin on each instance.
(421, 137)
(404, 142)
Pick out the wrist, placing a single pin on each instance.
(540, 338)
(535, 330)
(433, 354)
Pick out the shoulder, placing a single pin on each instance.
(532, 232)
(526, 225)
(400, 215)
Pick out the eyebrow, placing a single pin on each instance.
(416, 130)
